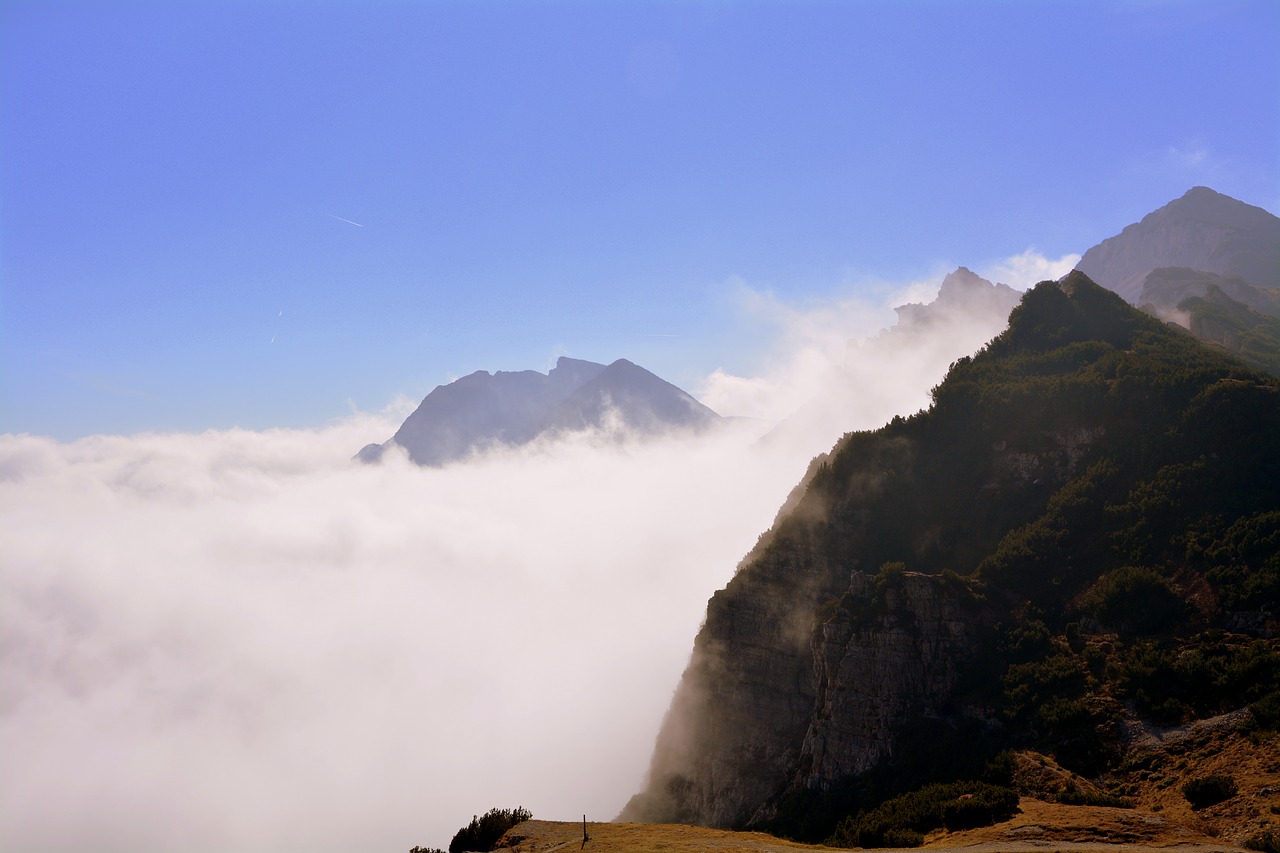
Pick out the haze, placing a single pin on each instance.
(242, 640)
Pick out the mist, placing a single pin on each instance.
(242, 640)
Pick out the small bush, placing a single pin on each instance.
(970, 811)
(905, 838)
(957, 805)
(483, 832)
(1264, 842)
(1094, 798)
(1266, 712)
(1208, 790)
(1136, 600)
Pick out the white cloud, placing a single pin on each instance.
(1029, 268)
(243, 641)
(843, 363)
(240, 640)
(805, 343)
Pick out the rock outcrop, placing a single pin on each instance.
(893, 589)
(900, 637)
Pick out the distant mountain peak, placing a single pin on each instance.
(512, 408)
(963, 294)
(1201, 230)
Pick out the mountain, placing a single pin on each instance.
(1203, 230)
(963, 296)
(968, 311)
(483, 410)
(1074, 547)
(1207, 262)
(634, 397)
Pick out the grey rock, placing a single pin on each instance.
(1203, 230)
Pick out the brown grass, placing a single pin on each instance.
(1039, 828)
(1162, 821)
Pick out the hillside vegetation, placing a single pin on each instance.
(1084, 533)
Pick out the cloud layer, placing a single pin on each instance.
(242, 641)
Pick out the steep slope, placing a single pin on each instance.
(1166, 288)
(483, 410)
(1252, 335)
(1203, 230)
(999, 571)
(629, 395)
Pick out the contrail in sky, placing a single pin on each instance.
(348, 221)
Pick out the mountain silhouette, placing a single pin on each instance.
(484, 410)
(1203, 230)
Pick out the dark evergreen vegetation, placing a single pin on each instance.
(1109, 489)
(903, 820)
(484, 831)
(1209, 790)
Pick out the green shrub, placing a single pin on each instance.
(1208, 790)
(988, 805)
(483, 832)
(1266, 712)
(955, 805)
(1264, 842)
(1136, 601)
(903, 838)
(1093, 798)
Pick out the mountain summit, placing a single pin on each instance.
(1203, 230)
(1207, 262)
(483, 410)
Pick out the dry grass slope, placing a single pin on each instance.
(1040, 827)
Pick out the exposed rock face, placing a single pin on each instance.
(737, 724)
(901, 638)
(1203, 230)
(804, 703)
(482, 410)
(1029, 480)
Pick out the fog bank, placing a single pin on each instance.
(243, 641)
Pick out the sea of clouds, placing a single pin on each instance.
(242, 640)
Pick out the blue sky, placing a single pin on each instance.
(258, 214)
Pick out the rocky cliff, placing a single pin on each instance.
(960, 570)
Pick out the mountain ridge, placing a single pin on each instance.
(512, 408)
(944, 577)
(1201, 230)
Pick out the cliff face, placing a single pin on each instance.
(900, 637)
(1085, 441)
(738, 720)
